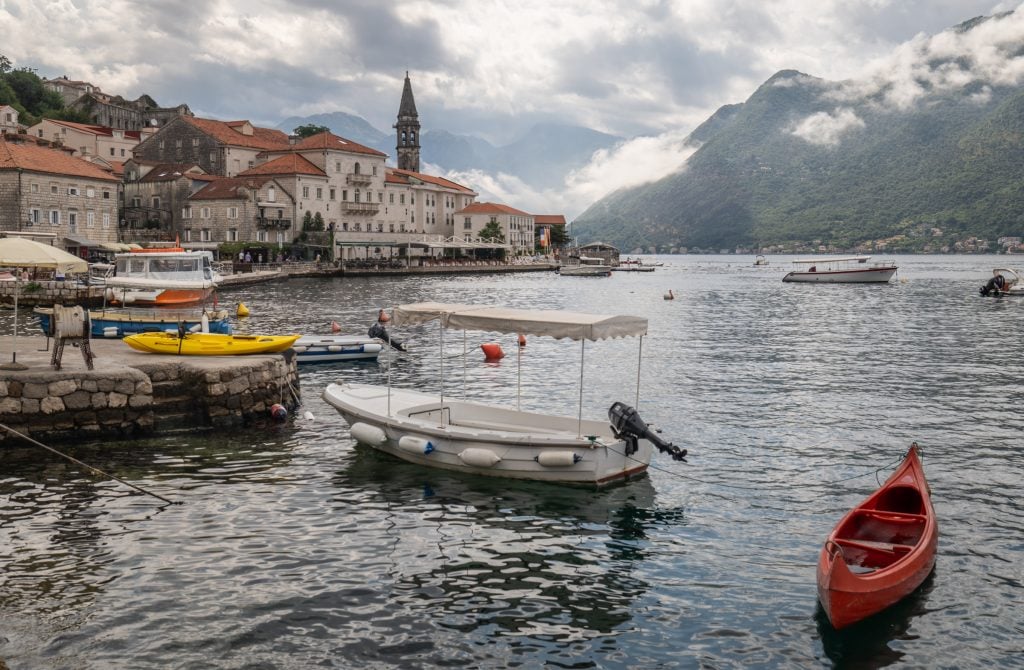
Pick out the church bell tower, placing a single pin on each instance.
(408, 131)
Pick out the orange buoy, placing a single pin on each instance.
(492, 351)
(335, 328)
(522, 340)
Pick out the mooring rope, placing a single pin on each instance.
(86, 465)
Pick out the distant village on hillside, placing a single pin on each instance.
(143, 174)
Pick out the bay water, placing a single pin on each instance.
(295, 548)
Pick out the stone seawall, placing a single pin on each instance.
(130, 393)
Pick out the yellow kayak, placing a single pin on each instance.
(209, 344)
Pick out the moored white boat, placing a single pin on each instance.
(1003, 282)
(586, 267)
(846, 270)
(484, 439)
(161, 278)
(334, 348)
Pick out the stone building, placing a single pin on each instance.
(47, 190)
(255, 208)
(113, 111)
(407, 131)
(155, 195)
(517, 226)
(69, 90)
(225, 148)
(8, 120)
(89, 140)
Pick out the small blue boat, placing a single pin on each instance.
(116, 323)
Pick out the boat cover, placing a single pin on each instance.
(552, 323)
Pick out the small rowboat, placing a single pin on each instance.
(333, 348)
(882, 550)
(209, 344)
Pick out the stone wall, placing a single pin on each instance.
(131, 394)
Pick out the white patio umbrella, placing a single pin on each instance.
(23, 253)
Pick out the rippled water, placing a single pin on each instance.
(294, 548)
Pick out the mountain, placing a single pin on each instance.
(349, 126)
(542, 157)
(806, 162)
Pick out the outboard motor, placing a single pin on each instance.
(627, 425)
(994, 285)
(381, 333)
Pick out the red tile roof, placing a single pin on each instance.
(96, 130)
(328, 140)
(228, 188)
(549, 219)
(34, 158)
(223, 132)
(402, 177)
(490, 208)
(289, 164)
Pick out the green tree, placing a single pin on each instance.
(318, 223)
(492, 232)
(309, 129)
(307, 221)
(5, 64)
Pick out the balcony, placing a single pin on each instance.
(273, 224)
(358, 179)
(360, 207)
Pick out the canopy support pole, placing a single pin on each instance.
(519, 374)
(579, 417)
(639, 361)
(388, 344)
(441, 357)
(464, 356)
(14, 364)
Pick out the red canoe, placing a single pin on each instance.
(881, 550)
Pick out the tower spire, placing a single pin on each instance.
(407, 130)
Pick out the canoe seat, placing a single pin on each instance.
(871, 545)
(886, 515)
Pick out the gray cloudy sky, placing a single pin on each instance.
(644, 69)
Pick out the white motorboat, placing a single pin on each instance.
(847, 270)
(586, 267)
(334, 348)
(760, 260)
(1003, 282)
(471, 437)
(161, 277)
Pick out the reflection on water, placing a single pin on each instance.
(295, 548)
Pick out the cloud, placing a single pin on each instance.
(826, 129)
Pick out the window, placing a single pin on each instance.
(188, 234)
(156, 202)
(112, 151)
(305, 191)
(53, 189)
(467, 224)
(90, 219)
(90, 192)
(177, 143)
(72, 219)
(106, 219)
(374, 170)
(337, 166)
(232, 212)
(204, 212)
(356, 168)
(401, 198)
(271, 194)
(391, 198)
(161, 144)
(186, 212)
(319, 193)
(195, 141)
(334, 193)
(204, 235)
(136, 201)
(35, 188)
(261, 236)
(35, 215)
(232, 234)
(213, 156)
(357, 195)
(54, 217)
(380, 197)
(106, 194)
(344, 195)
(122, 152)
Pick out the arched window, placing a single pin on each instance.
(356, 168)
(412, 137)
(403, 138)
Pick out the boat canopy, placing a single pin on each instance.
(552, 323)
(844, 259)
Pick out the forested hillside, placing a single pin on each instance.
(805, 162)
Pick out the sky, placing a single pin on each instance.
(649, 71)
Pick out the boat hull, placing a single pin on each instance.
(206, 344)
(486, 440)
(861, 276)
(585, 271)
(881, 551)
(117, 323)
(159, 298)
(332, 349)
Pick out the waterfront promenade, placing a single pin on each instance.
(129, 393)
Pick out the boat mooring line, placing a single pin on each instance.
(86, 465)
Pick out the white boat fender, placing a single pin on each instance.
(372, 348)
(299, 348)
(480, 458)
(367, 434)
(111, 331)
(415, 445)
(558, 459)
(334, 348)
(204, 323)
(307, 415)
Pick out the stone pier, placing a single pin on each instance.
(130, 393)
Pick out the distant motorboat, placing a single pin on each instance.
(760, 260)
(845, 270)
(586, 266)
(1003, 282)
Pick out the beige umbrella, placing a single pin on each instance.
(22, 253)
